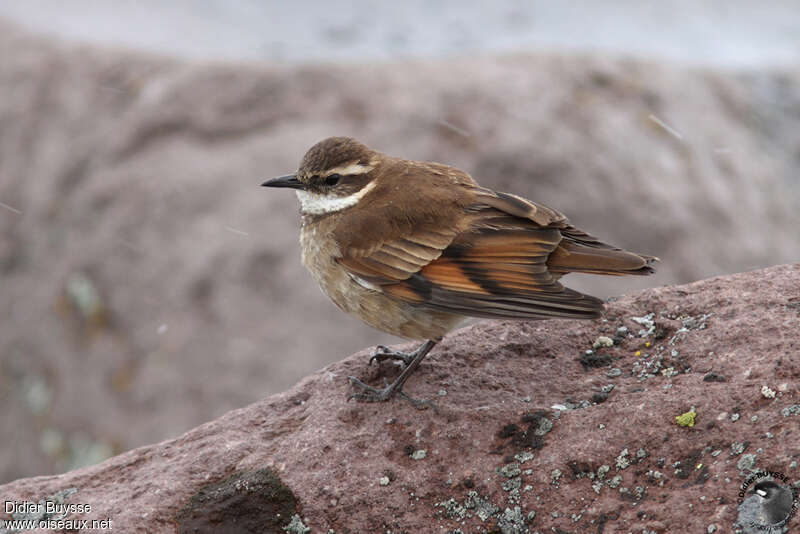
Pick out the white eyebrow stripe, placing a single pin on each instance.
(314, 204)
(347, 170)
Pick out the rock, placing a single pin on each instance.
(148, 284)
(308, 459)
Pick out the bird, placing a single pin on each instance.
(776, 502)
(414, 248)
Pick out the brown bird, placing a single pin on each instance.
(413, 248)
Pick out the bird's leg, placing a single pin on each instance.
(368, 393)
(383, 353)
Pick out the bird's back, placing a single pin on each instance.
(450, 245)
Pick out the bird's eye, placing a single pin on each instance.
(332, 179)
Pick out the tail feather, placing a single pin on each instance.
(577, 258)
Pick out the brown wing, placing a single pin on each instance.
(399, 259)
(495, 267)
(577, 250)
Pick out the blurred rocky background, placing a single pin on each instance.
(148, 284)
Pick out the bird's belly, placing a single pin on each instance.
(373, 307)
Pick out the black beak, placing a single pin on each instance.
(285, 181)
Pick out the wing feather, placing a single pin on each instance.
(504, 263)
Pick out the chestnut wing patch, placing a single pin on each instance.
(496, 268)
(499, 270)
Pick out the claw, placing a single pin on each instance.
(382, 353)
(420, 404)
(368, 393)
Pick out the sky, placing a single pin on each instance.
(726, 33)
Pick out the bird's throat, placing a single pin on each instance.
(317, 204)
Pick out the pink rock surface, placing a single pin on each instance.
(528, 437)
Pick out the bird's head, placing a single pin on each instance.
(335, 174)
(767, 489)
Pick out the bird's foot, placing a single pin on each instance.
(383, 353)
(366, 393)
